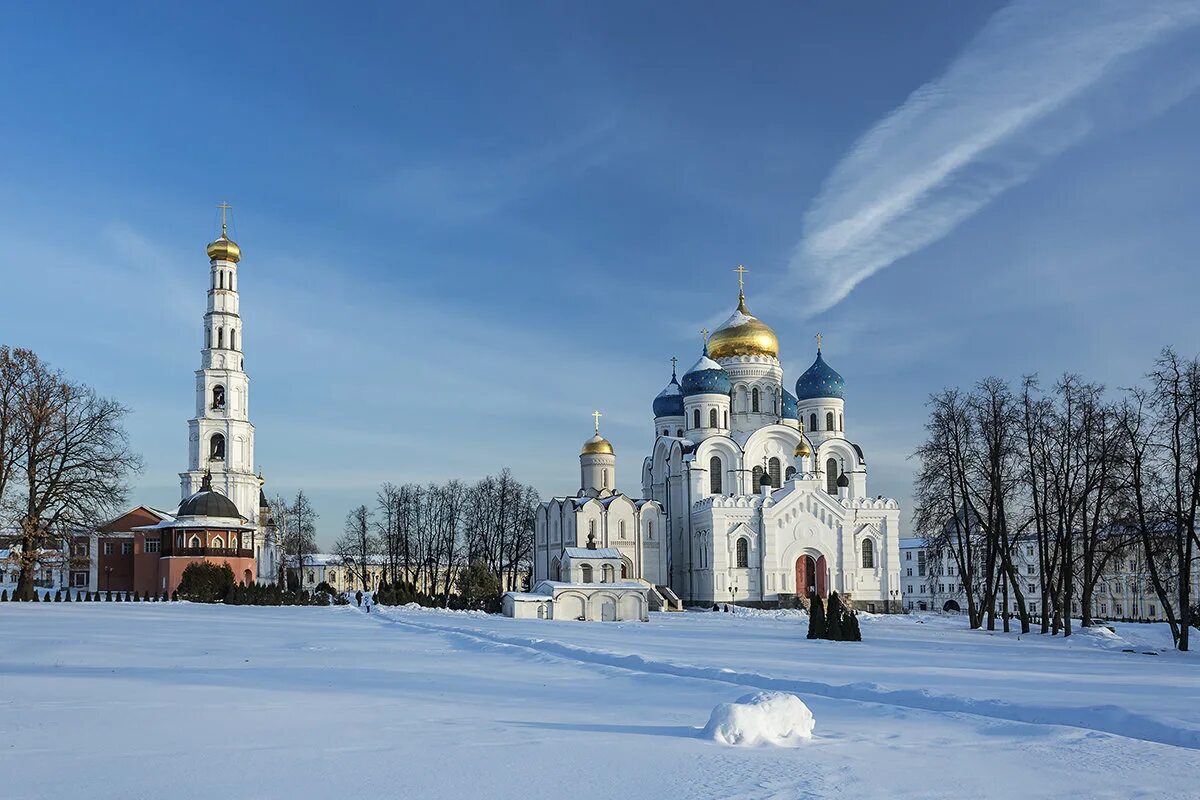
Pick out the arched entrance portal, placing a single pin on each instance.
(810, 576)
(952, 605)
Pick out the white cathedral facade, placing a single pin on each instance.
(751, 494)
(220, 435)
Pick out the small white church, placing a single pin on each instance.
(751, 494)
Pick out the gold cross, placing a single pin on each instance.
(818, 342)
(741, 271)
(597, 415)
(704, 334)
(224, 215)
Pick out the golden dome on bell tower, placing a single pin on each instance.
(224, 248)
(743, 334)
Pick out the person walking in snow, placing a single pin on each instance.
(368, 599)
(358, 597)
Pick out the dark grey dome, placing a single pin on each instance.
(843, 481)
(207, 503)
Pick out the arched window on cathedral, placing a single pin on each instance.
(695, 418)
(831, 476)
(868, 554)
(679, 432)
(773, 471)
(625, 569)
(754, 399)
(585, 573)
(218, 396)
(208, 337)
(195, 542)
(712, 418)
(216, 447)
(829, 421)
(606, 573)
(714, 475)
(743, 553)
(812, 422)
(604, 479)
(727, 419)
(666, 432)
(233, 339)
(621, 529)
(218, 542)
(791, 473)
(649, 530)
(591, 528)
(555, 570)
(841, 422)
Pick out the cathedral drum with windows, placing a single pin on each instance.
(765, 498)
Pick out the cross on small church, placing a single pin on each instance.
(597, 415)
(818, 342)
(224, 215)
(674, 364)
(704, 334)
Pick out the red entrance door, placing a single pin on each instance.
(810, 575)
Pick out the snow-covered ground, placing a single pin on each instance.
(189, 701)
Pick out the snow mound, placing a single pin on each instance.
(760, 718)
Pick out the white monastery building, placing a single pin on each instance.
(751, 494)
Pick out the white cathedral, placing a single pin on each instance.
(751, 494)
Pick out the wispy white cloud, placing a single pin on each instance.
(1014, 98)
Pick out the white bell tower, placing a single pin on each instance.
(221, 437)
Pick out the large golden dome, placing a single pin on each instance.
(224, 249)
(743, 334)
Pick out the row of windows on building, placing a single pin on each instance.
(741, 554)
(588, 575)
(220, 338)
(153, 545)
(220, 278)
(716, 474)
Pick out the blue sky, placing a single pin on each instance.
(466, 225)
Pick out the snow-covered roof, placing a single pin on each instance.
(705, 363)
(211, 523)
(909, 543)
(599, 552)
(592, 586)
(528, 597)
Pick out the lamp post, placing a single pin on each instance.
(108, 579)
(895, 595)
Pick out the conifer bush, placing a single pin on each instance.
(4, 596)
(833, 618)
(36, 599)
(57, 596)
(206, 583)
(816, 616)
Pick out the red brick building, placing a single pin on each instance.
(146, 550)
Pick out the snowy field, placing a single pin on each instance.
(189, 701)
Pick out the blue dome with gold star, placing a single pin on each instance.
(820, 380)
(669, 402)
(706, 377)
